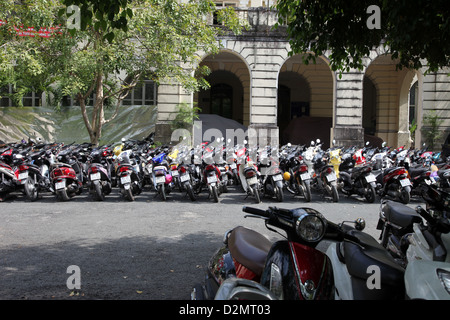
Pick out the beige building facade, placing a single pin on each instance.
(255, 82)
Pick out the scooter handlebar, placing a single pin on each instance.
(256, 211)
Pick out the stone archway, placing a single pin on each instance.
(308, 89)
(392, 91)
(229, 89)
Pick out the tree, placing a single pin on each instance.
(112, 50)
(411, 31)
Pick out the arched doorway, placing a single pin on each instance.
(305, 101)
(392, 100)
(229, 91)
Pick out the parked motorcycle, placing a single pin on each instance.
(297, 172)
(359, 180)
(419, 240)
(394, 182)
(211, 175)
(99, 177)
(325, 178)
(37, 173)
(294, 269)
(162, 180)
(10, 180)
(66, 175)
(248, 173)
(271, 174)
(184, 171)
(127, 173)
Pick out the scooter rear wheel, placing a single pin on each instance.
(62, 195)
(334, 193)
(129, 194)
(30, 188)
(306, 191)
(190, 191)
(215, 194)
(256, 193)
(99, 192)
(370, 194)
(279, 193)
(162, 192)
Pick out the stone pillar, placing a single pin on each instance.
(265, 63)
(347, 127)
(169, 97)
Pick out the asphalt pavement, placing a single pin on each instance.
(146, 249)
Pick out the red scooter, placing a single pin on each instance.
(66, 176)
(394, 182)
(250, 267)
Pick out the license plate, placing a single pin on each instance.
(405, 182)
(370, 178)
(212, 179)
(160, 179)
(184, 177)
(175, 173)
(126, 179)
(233, 166)
(277, 177)
(331, 177)
(23, 175)
(95, 176)
(252, 181)
(305, 176)
(60, 185)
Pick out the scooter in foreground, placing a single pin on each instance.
(250, 266)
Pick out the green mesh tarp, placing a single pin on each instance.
(66, 125)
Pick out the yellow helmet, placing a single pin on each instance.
(287, 176)
(118, 149)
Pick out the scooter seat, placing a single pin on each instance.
(359, 257)
(400, 214)
(414, 172)
(249, 248)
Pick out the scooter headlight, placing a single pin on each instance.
(444, 276)
(310, 227)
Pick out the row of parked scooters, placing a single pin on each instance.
(67, 170)
(410, 260)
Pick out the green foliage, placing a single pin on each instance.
(155, 39)
(410, 32)
(185, 116)
(430, 129)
